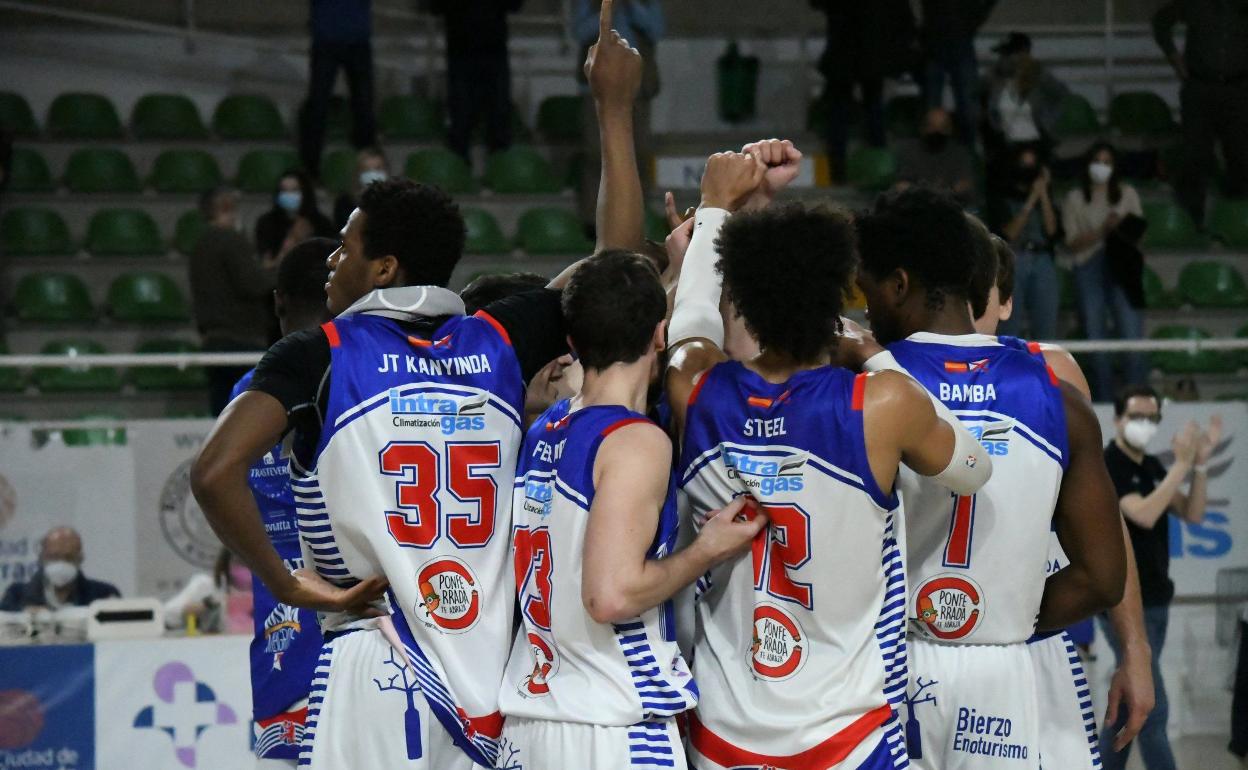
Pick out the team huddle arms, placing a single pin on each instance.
(769, 504)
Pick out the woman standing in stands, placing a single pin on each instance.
(1021, 212)
(294, 217)
(1090, 213)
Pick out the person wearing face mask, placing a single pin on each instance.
(294, 218)
(1022, 213)
(1090, 213)
(936, 160)
(370, 166)
(59, 581)
(1148, 493)
(1024, 98)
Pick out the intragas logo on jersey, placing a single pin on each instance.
(448, 414)
(766, 475)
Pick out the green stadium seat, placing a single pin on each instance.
(902, 115)
(101, 170)
(1141, 113)
(1229, 221)
(520, 132)
(15, 115)
(190, 226)
(260, 170)
(34, 232)
(520, 170)
(552, 231)
(1208, 283)
(168, 377)
(11, 380)
(338, 171)
(83, 116)
(166, 116)
(1077, 118)
(248, 116)
(109, 436)
(1179, 362)
(184, 171)
(1156, 295)
(1170, 227)
(411, 118)
(53, 298)
(146, 297)
(443, 168)
(484, 234)
(561, 118)
(28, 172)
(123, 232)
(871, 168)
(62, 379)
(654, 226)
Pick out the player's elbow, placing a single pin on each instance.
(209, 472)
(607, 605)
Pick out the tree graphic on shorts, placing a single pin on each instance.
(914, 738)
(411, 717)
(508, 756)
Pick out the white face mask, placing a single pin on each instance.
(1138, 433)
(60, 573)
(1100, 172)
(373, 175)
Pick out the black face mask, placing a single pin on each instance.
(935, 141)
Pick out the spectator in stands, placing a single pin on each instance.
(370, 166)
(1148, 493)
(642, 24)
(230, 291)
(478, 72)
(342, 32)
(1022, 213)
(294, 217)
(1090, 212)
(59, 581)
(1024, 99)
(1214, 96)
(948, 37)
(934, 159)
(866, 42)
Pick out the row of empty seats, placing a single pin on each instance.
(132, 232)
(520, 170)
(1206, 283)
(135, 297)
(244, 117)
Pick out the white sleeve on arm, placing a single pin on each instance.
(969, 467)
(695, 312)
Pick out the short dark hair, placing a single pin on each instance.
(419, 224)
(925, 233)
(1128, 392)
(788, 270)
(1005, 269)
(1114, 193)
(983, 266)
(495, 286)
(302, 273)
(612, 304)
(210, 199)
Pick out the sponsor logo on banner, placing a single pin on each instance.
(779, 648)
(185, 709)
(185, 529)
(948, 607)
(47, 708)
(450, 595)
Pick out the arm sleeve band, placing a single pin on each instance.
(969, 467)
(696, 313)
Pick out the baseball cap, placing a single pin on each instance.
(1013, 43)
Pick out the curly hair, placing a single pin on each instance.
(419, 224)
(611, 305)
(925, 233)
(788, 270)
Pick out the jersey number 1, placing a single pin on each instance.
(418, 522)
(961, 526)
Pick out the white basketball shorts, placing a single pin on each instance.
(1069, 738)
(540, 744)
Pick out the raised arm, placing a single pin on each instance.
(1146, 510)
(631, 472)
(1088, 526)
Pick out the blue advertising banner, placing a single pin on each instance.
(47, 707)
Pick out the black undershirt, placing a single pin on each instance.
(295, 370)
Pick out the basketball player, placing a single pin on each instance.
(595, 523)
(288, 639)
(1065, 704)
(800, 655)
(406, 418)
(977, 588)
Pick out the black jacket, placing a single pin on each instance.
(19, 596)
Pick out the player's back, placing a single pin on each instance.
(800, 646)
(412, 480)
(565, 666)
(977, 564)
